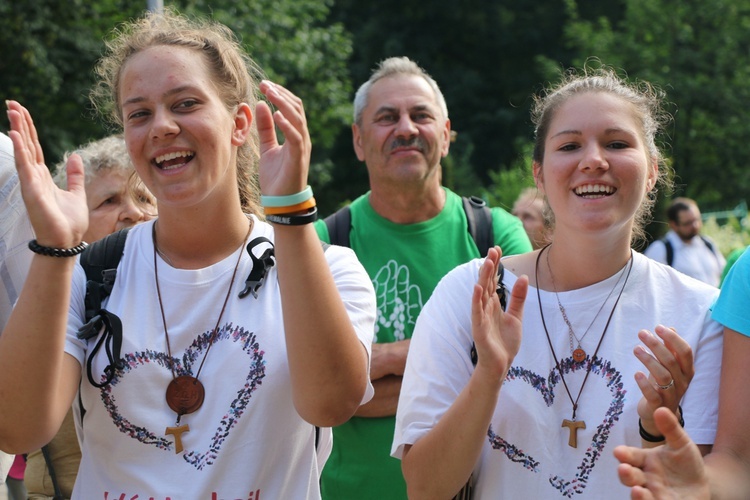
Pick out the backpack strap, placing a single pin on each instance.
(670, 251)
(339, 224)
(708, 244)
(261, 266)
(478, 218)
(99, 261)
(52, 475)
(479, 222)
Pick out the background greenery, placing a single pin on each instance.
(488, 56)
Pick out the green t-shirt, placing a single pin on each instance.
(405, 262)
(730, 262)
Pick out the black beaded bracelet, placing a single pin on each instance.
(295, 219)
(650, 438)
(57, 252)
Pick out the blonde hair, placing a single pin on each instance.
(235, 76)
(646, 101)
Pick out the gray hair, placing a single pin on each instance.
(395, 66)
(109, 153)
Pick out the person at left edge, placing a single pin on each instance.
(408, 231)
(15, 259)
(272, 366)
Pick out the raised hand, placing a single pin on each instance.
(497, 333)
(283, 167)
(671, 369)
(673, 471)
(59, 217)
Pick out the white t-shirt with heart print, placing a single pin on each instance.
(246, 440)
(526, 453)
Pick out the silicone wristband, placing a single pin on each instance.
(299, 207)
(650, 438)
(288, 200)
(57, 252)
(294, 220)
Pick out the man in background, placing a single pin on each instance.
(684, 248)
(529, 207)
(408, 231)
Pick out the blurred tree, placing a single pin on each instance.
(697, 51)
(487, 56)
(50, 48)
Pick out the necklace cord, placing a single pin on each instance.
(223, 307)
(601, 339)
(571, 332)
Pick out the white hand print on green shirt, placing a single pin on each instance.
(399, 302)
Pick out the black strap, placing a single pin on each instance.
(670, 251)
(52, 475)
(99, 261)
(111, 339)
(261, 266)
(339, 224)
(478, 219)
(479, 222)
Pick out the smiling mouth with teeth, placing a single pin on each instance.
(173, 160)
(594, 191)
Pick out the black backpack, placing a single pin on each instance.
(478, 218)
(479, 225)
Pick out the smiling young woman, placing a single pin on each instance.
(556, 383)
(218, 391)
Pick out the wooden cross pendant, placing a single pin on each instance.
(573, 425)
(177, 433)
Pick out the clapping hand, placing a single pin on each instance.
(671, 369)
(673, 471)
(59, 217)
(497, 333)
(283, 167)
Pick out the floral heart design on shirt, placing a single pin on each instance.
(184, 366)
(546, 388)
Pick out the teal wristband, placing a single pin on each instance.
(288, 200)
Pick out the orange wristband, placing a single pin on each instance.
(299, 207)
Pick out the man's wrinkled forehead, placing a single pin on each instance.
(403, 92)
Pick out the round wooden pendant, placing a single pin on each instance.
(579, 355)
(185, 394)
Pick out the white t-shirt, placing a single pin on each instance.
(247, 440)
(15, 233)
(693, 258)
(526, 454)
